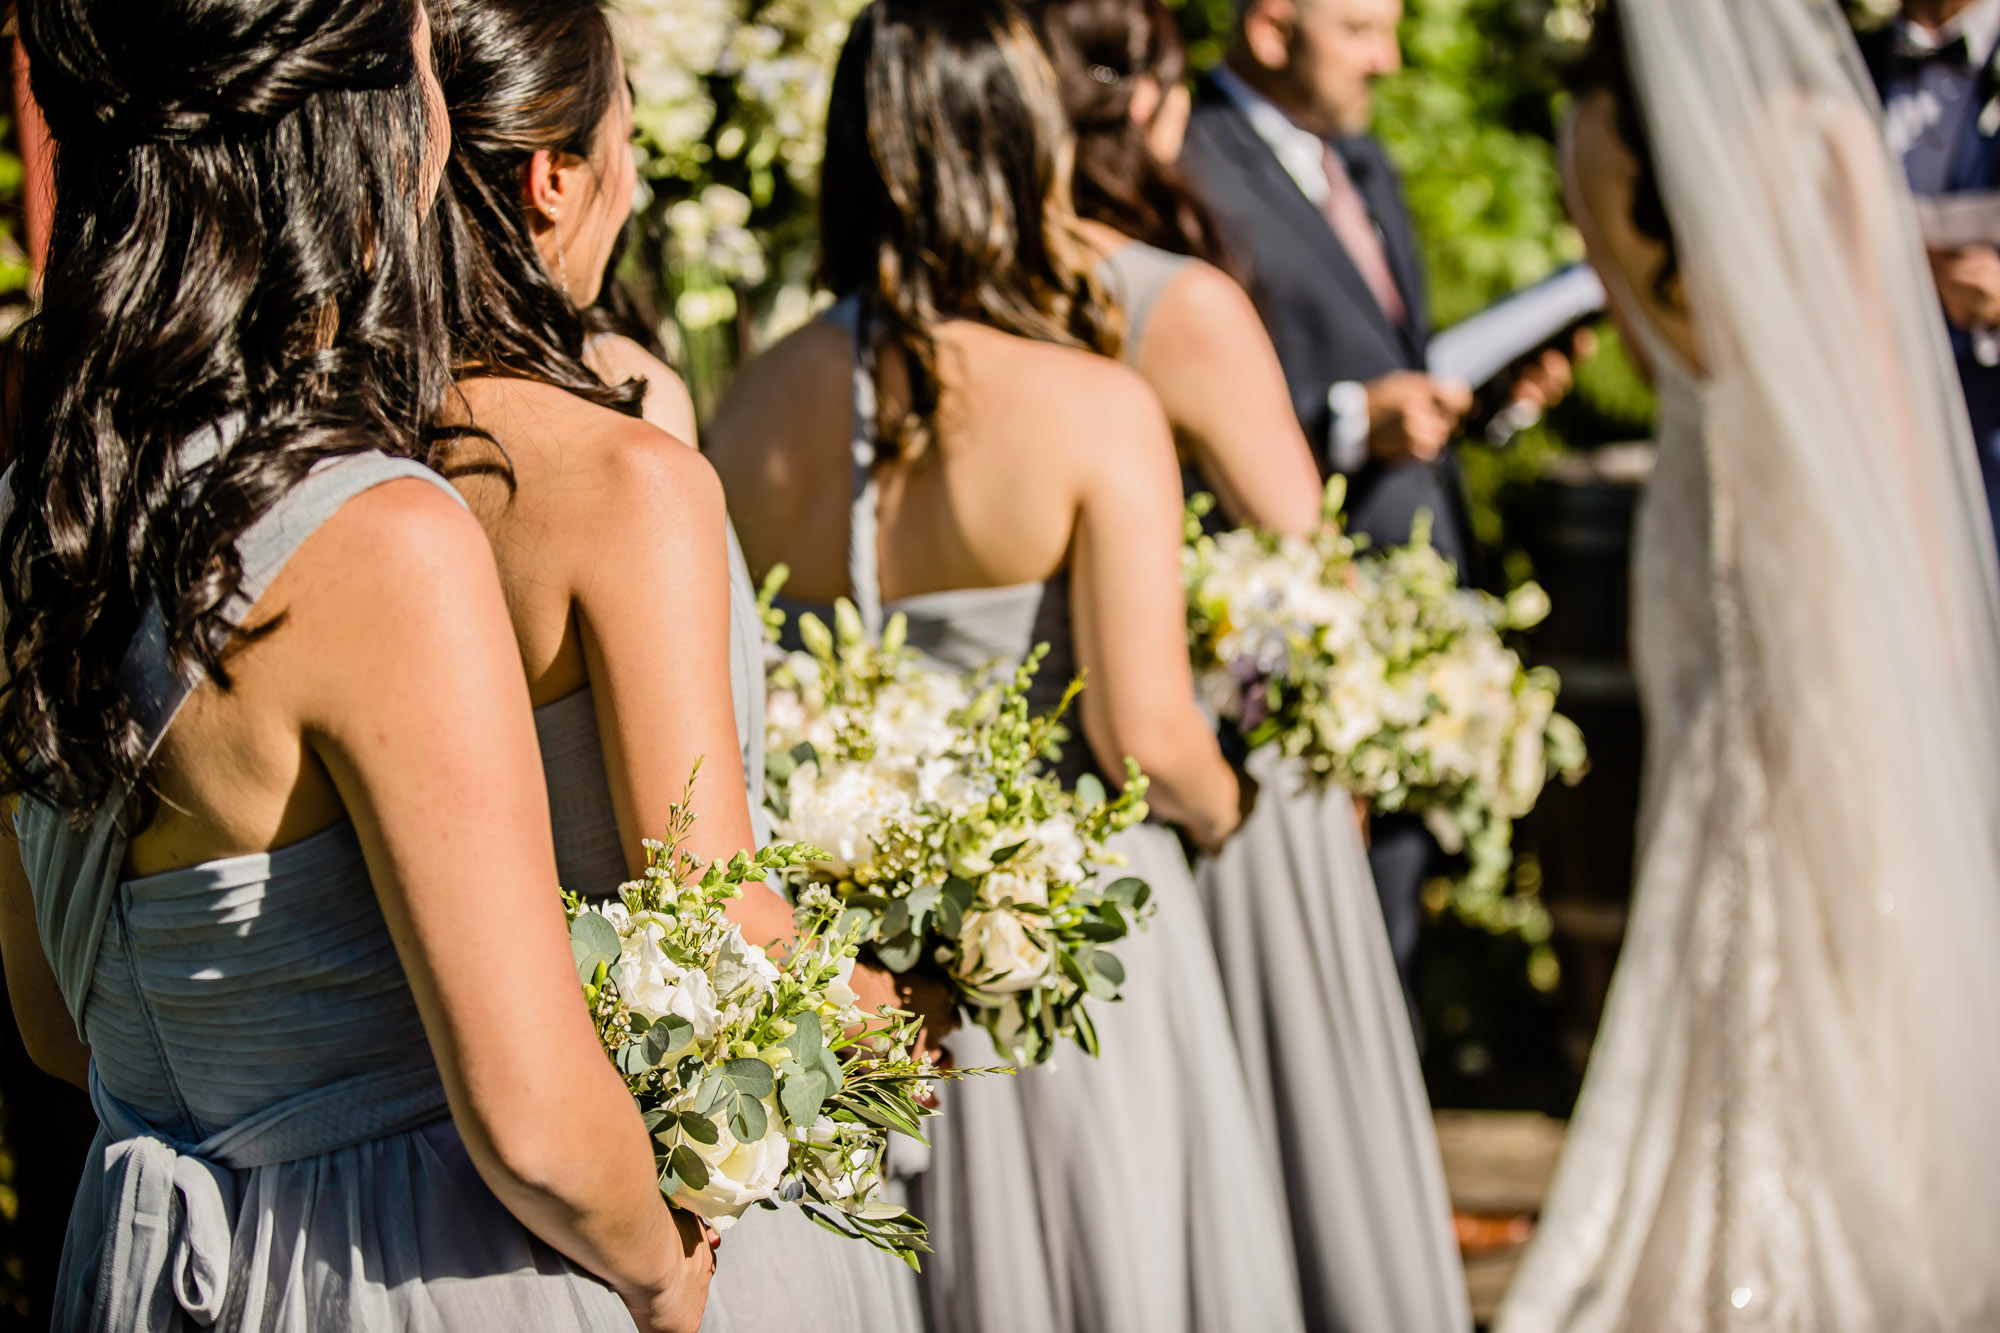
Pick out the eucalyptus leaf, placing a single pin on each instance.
(748, 1119)
(750, 1076)
(592, 941)
(687, 1164)
(669, 1036)
(699, 1128)
(895, 920)
(901, 954)
(1130, 890)
(1108, 966)
(808, 1039)
(632, 1060)
(1005, 854)
(802, 1096)
(1089, 791)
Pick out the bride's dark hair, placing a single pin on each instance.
(1606, 69)
(239, 237)
(1101, 49)
(945, 192)
(519, 75)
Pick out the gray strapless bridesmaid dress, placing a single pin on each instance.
(1320, 1019)
(778, 1271)
(1131, 1193)
(276, 1153)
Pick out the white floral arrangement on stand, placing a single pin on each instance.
(714, 170)
(761, 1080)
(1380, 673)
(947, 840)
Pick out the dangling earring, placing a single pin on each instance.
(562, 255)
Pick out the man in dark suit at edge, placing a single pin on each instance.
(1313, 216)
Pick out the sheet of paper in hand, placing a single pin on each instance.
(1953, 221)
(1473, 351)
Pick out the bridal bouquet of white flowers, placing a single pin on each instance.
(1380, 673)
(948, 841)
(760, 1078)
(1486, 738)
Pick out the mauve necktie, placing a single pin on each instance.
(1347, 214)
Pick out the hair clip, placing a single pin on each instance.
(1104, 74)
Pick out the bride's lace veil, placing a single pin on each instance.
(1857, 582)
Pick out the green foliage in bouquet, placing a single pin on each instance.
(952, 846)
(760, 1079)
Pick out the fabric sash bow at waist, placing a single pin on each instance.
(171, 1207)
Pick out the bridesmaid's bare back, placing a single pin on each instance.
(1024, 430)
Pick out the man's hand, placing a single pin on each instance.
(1968, 282)
(1547, 380)
(1411, 415)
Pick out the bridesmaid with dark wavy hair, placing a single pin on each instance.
(277, 885)
(948, 443)
(1313, 991)
(635, 617)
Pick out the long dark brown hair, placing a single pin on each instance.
(1606, 68)
(946, 191)
(239, 237)
(519, 75)
(1102, 50)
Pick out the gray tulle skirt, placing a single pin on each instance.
(396, 1235)
(781, 1272)
(1332, 1064)
(1131, 1193)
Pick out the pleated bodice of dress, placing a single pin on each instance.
(227, 988)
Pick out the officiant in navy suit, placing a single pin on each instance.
(1313, 218)
(1937, 66)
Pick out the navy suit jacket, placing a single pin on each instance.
(1324, 321)
(1975, 166)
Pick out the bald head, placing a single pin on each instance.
(1318, 59)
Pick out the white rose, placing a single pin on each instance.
(998, 955)
(739, 1174)
(742, 966)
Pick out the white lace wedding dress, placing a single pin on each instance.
(1788, 1119)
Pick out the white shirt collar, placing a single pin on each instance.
(1978, 23)
(1299, 151)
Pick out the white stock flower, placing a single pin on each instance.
(740, 1175)
(998, 955)
(840, 991)
(1011, 885)
(655, 985)
(741, 966)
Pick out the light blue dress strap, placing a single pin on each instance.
(864, 576)
(1138, 275)
(75, 871)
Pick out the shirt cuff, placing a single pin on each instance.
(1347, 431)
